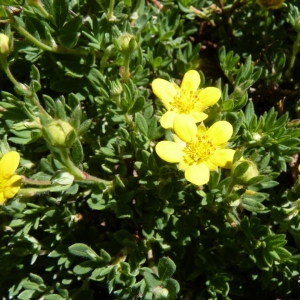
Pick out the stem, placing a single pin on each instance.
(43, 11)
(41, 45)
(6, 69)
(110, 14)
(151, 261)
(78, 174)
(293, 58)
(229, 188)
(30, 192)
(124, 70)
(35, 182)
(96, 179)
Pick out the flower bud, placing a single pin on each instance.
(125, 43)
(243, 170)
(267, 4)
(4, 44)
(58, 131)
(116, 88)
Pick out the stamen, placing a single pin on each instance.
(198, 150)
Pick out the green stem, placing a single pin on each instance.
(110, 14)
(125, 72)
(230, 188)
(150, 256)
(293, 57)
(43, 11)
(89, 177)
(41, 45)
(30, 192)
(78, 174)
(35, 182)
(6, 69)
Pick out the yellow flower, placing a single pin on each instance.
(198, 150)
(186, 99)
(9, 183)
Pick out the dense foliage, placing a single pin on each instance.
(98, 212)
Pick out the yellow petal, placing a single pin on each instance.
(220, 132)
(165, 91)
(190, 81)
(9, 164)
(169, 151)
(2, 199)
(198, 116)
(167, 119)
(185, 127)
(223, 158)
(211, 166)
(197, 174)
(182, 165)
(208, 96)
(12, 186)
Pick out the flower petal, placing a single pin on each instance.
(211, 166)
(12, 186)
(197, 174)
(2, 199)
(9, 164)
(223, 158)
(220, 132)
(185, 127)
(167, 119)
(190, 81)
(169, 151)
(198, 116)
(165, 91)
(208, 96)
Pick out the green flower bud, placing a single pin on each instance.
(35, 3)
(116, 88)
(243, 170)
(267, 4)
(58, 132)
(125, 43)
(4, 44)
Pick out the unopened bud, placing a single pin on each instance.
(116, 88)
(59, 131)
(270, 4)
(125, 43)
(4, 44)
(244, 170)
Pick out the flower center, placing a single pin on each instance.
(184, 101)
(198, 150)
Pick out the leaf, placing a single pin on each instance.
(83, 251)
(166, 268)
(141, 124)
(252, 205)
(70, 32)
(53, 297)
(60, 12)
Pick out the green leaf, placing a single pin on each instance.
(60, 12)
(151, 280)
(53, 297)
(141, 124)
(252, 205)
(166, 268)
(70, 32)
(83, 251)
